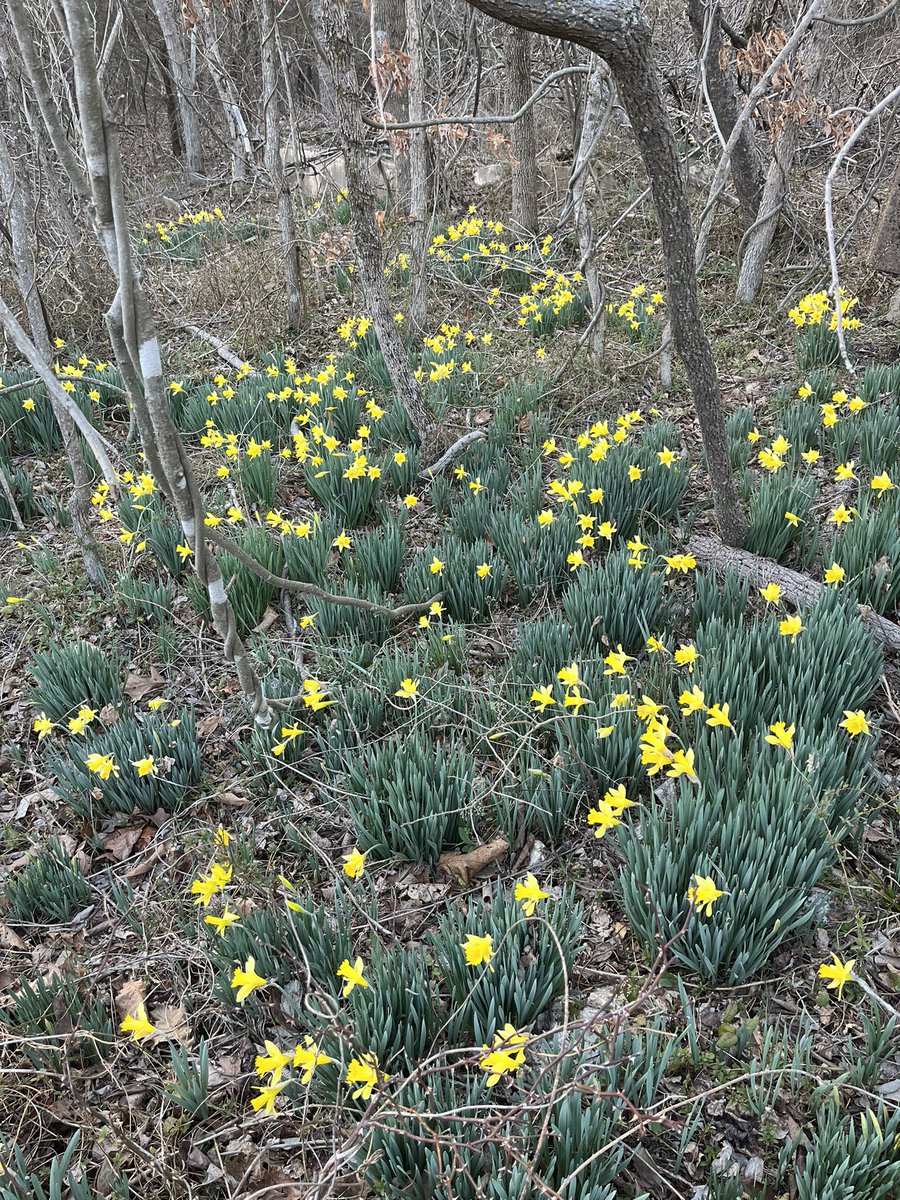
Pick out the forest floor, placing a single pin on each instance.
(574, 741)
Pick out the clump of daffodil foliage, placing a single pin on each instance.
(76, 675)
(138, 764)
(50, 887)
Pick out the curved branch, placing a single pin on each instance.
(505, 119)
(829, 216)
(850, 22)
(452, 454)
(310, 589)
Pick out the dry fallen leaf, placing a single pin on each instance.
(130, 996)
(121, 842)
(9, 939)
(209, 724)
(138, 686)
(462, 867)
(171, 1024)
(109, 715)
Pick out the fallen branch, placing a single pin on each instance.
(797, 588)
(452, 454)
(223, 350)
(6, 489)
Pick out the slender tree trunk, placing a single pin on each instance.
(387, 27)
(322, 63)
(352, 135)
(184, 83)
(617, 30)
(419, 199)
(238, 134)
(746, 172)
(596, 112)
(19, 203)
(759, 238)
(275, 165)
(517, 61)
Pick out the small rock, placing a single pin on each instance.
(755, 1170)
(491, 175)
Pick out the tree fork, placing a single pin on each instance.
(618, 32)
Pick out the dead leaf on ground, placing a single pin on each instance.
(9, 939)
(138, 686)
(463, 867)
(130, 996)
(278, 1185)
(232, 800)
(171, 1024)
(156, 854)
(120, 843)
(209, 724)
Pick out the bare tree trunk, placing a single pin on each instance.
(238, 134)
(184, 82)
(324, 77)
(309, 264)
(746, 172)
(884, 252)
(617, 30)
(275, 166)
(600, 92)
(419, 199)
(133, 337)
(352, 135)
(758, 242)
(523, 140)
(19, 203)
(387, 29)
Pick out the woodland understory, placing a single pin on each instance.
(450, 599)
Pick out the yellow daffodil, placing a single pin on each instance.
(703, 894)
(856, 723)
(352, 976)
(781, 735)
(837, 973)
(354, 864)
(478, 949)
(246, 980)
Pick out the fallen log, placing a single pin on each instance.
(797, 588)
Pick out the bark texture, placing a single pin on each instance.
(419, 199)
(523, 139)
(183, 79)
(275, 166)
(598, 105)
(352, 136)
(746, 171)
(884, 253)
(618, 32)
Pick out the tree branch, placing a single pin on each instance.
(829, 216)
(505, 119)
(310, 589)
